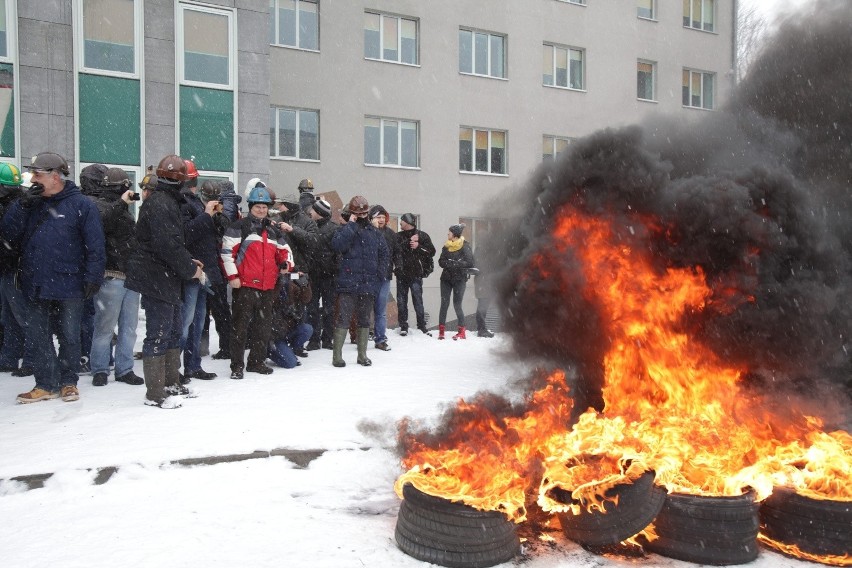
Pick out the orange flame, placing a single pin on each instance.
(671, 404)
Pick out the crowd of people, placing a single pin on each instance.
(278, 279)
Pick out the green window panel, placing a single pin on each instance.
(110, 111)
(7, 110)
(207, 127)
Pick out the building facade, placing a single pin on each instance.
(435, 108)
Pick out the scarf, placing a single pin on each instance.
(454, 245)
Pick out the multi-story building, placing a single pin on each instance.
(435, 108)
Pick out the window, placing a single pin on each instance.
(478, 230)
(109, 36)
(698, 14)
(206, 45)
(390, 38)
(294, 133)
(482, 150)
(646, 72)
(8, 112)
(294, 23)
(646, 9)
(553, 146)
(391, 142)
(697, 89)
(563, 67)
(579, 2)
(481, 53)
(205, 107)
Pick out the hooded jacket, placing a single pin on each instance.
(62, 244)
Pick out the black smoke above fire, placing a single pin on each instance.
(756, 194)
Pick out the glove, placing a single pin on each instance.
(90, 289)
(32, 196)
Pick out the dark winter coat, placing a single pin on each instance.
(294, 297)
(324, 259)
(414, 263)
(364, 258)
(230, 201)
(456, 264)
(303, 238)
(10, 253)
(160, 264)
(119, 230)
(202, 236)
(393, 250)
(62, 244)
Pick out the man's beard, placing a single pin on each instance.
(363, 221)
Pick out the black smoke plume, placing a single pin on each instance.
(770, 173)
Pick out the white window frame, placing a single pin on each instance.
(399, 122)
(138, 46)
(181, 7)
(569, 49)
(703, 75)
(399, 19)
(688, 18)
(504, 38)
(653, 16)
(473, 169)
(575, 2)
(12, 59)
(553, 139)
(298, 38)
(298, 111)
(653, 65)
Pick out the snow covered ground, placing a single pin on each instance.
(339, 511)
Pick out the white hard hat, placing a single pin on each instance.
(253, 183)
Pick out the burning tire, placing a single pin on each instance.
(706, 530)
(632, 506)
(453, 534)
(815, 526)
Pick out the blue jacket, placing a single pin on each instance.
(62, 243)
(364, 258)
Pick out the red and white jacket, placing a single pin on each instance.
(254, 250)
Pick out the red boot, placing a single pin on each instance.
(460, 334)
(441, 329)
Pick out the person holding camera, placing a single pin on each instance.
(115, 304)
(62, 263)
(201, 233)
(254, 251)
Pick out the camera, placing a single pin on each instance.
(134, 197)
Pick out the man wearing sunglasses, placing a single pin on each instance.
(62, 264)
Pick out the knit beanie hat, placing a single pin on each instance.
(457, 230)
(410, 219)
(322, 207)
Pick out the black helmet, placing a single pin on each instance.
(149, 182)
(210, 191)
(49, 161)
(117, 178)
(306, 185)
(92, 179)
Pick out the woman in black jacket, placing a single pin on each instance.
(456, 260)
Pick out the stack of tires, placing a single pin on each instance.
(628, 509)
(453, 534)
(706, 530)
(817, 527)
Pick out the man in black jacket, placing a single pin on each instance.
(115, 304)
(14, 307)
(322, 273)
(157, 269)
(416, 263)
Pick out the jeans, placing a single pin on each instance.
(193, 313)
(381, 311)
(114, 305)
(282, 353)
(162, 326)
(14, 318)
(457, 289)
(87, 327)
(52, 372)
(403, 285)
(220, 309)
(322, 317)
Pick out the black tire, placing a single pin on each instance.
(707, 530)
(453, 534)
(816, 526)
(638, 504)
